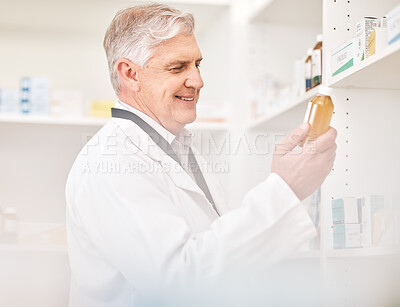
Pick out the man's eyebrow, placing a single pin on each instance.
(172, 63)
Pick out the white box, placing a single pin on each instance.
(342, 57)
(9, 101)
(364, 29)
(347, 236)
(377, 41)
(67, 103)
(35, 95)
(371, 206)
(346, 211)
(209, 111)
(393, 25)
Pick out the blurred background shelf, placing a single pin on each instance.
(364, 252)
(95, 122)
(380, 71)
(38, 237)
(33, 248)
(48, 120)
(306, 255)
(209, 126)
(292, 113)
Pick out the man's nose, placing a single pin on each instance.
(194, 79)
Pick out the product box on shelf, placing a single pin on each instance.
(346, 210)
(299, 84)
(342, 57)
(364, 29)
(347, 236)
(212, 112)
(393, 24)
(66, 103)
(35, 95)
(380, 223)
(9, 101)
(101, 108)
(377, 41)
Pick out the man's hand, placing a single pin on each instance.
(305, 169)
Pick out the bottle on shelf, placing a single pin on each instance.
(10, 225)
(317, 62)
(319, 114)
(308, 69)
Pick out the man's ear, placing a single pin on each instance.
(128, 73)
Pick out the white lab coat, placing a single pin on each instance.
(133, 228)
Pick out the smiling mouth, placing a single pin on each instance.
(185, 99)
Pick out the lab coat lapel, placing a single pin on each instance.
(182, 180)
(145, 144)
(216, 190)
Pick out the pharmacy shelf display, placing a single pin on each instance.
(40, 151)
(366, 100)
(36, 237)
(95, 122)
(381, 71)
(279, 114)
(363, 252)
(33, 248)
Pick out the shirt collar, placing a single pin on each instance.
(184, 137)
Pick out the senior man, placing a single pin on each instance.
(155, 220)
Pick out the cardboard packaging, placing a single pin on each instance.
(364, 29)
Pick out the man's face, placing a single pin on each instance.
(170, 84)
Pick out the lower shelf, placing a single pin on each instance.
(33, 248)
(38, 237)
(363, 252)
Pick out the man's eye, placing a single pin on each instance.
(177, 68)
(198, 65)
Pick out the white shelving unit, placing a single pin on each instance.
(380, 71)
(33, 248)
(297, 106)
(363, 252)
(48, 120)
(366, 99)
(248, 37)
(39, 151)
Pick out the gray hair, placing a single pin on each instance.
(135, 31)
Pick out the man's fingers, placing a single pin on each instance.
(326, 140)
(293, 139)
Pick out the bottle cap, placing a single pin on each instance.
(309, 51)
(320, 37)
(323, 90)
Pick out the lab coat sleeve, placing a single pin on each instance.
(140, 232)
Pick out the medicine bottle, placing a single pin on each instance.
(317, 62)
(10, 225)
(308, 69)
(319, 114)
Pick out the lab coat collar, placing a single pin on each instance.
(145, 144)
(185, 136)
